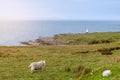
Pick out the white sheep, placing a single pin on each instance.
(37, 65)
(106, 73)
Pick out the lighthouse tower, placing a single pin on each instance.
(86, 31)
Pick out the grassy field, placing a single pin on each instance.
(73, 62)
(88, 38)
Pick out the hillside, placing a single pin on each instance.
(77, 39)
(80, 62)
(68, 62)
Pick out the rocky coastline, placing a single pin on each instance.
(42, 41)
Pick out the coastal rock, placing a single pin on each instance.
(42, 41)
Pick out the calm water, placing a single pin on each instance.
(13, 32)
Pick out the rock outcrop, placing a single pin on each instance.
(42, 41)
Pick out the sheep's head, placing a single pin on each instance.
(43, 61)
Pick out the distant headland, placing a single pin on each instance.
(76, 39)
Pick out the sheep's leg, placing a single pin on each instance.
(32, 69)
(42, 68)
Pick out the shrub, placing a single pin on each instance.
(106, 51)
(99, 41)
(93, 42)
(67, 69)
(81, 70)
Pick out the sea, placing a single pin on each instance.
(14, 32)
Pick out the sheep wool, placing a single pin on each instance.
(106, 73)
(37, 65)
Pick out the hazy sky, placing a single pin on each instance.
(60, 9)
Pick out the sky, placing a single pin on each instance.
(59, 9)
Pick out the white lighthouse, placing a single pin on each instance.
(86, 30)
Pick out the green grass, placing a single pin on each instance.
(15, 60)
(62, 62)
(88, 38)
